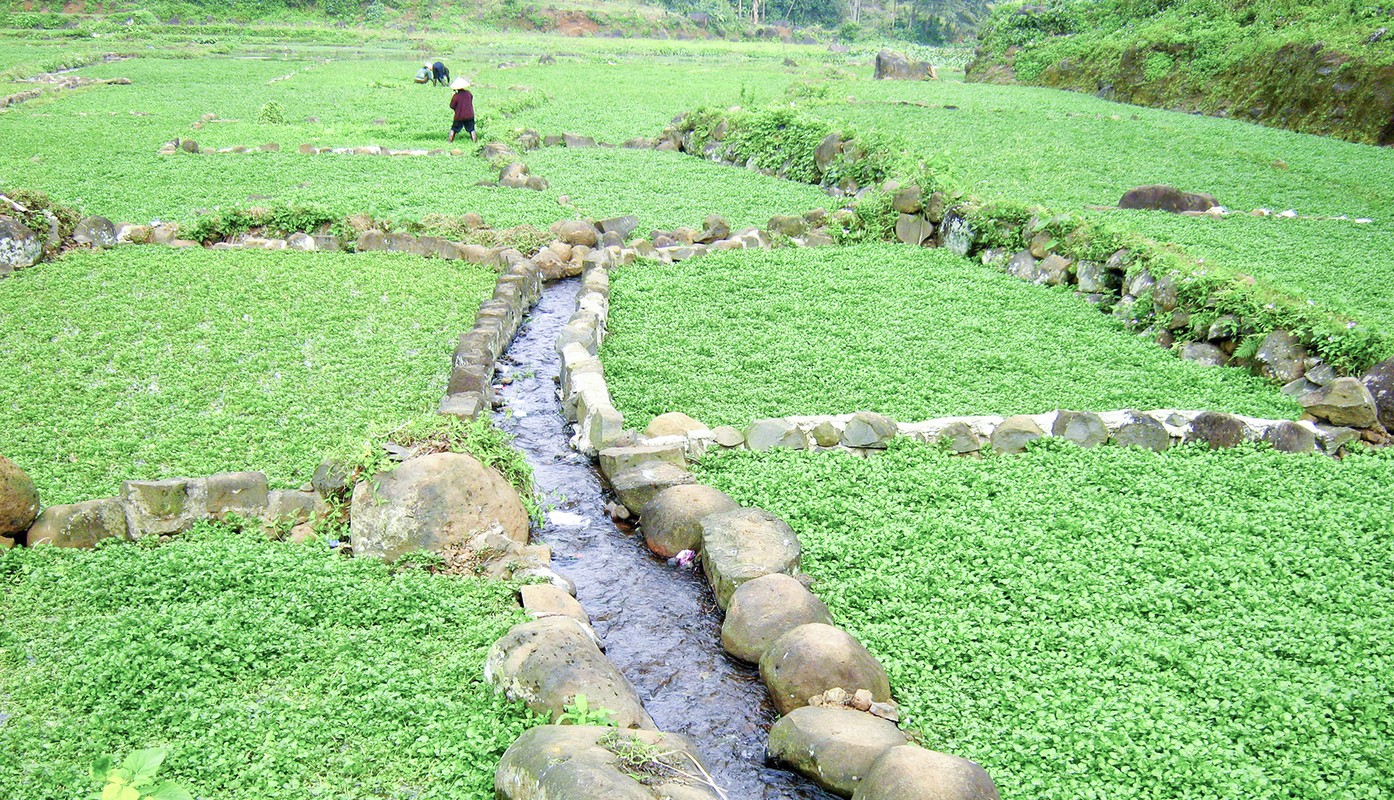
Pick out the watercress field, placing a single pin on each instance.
(1085, 624)
(911, 333)
(148, 363)
(270, 670)
(1113, 622)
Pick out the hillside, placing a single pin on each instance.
(1323, 67)
(924, 21)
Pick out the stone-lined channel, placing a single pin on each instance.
(659, 624)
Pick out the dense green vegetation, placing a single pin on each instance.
(94, 146)
(1336, 263)
(1271, 61)
(148, 363)
(269, 670)
(915, 334)
(1112, 622)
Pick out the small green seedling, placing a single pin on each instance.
(581, 713)
(134, 778)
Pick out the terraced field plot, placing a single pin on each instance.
(915, 334)
(148, 363)
(271, 670)
(97, 147)
(1113, 622)
(992, 141)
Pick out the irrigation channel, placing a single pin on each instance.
(659, 624)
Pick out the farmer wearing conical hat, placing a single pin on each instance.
(462, 103)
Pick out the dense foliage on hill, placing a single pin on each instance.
(1322, 67)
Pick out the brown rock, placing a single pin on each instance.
(764, 609)
(674, 423)
(672, 520)
(1158, 197)
(431, 503)
(79, 524)
(813, 658)
(19, 499)
(1344, 401)
(912, 773)
(833, 747)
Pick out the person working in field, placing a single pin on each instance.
(462, 103)
(436, 74)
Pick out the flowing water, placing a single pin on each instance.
(659, 624)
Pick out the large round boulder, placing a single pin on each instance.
(811, 659)
(432, 503)
(833, 747)
(19, 499)
(765, 609)
(672, 520)
(913, 773)
(548, 662)
(579, 761)
(574, 232)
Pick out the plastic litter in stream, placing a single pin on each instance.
(682, 559)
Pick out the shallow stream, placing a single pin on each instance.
(659, 624)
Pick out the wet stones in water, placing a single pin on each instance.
(764, 609)
(547, 662)
(432, 503)
(19, 500)
(587, 761)
(833, 747)
(636, 486)
(812, 659)
(744, 544)
(672, 520)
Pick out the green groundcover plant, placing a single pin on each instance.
(265, 669)
(913, 333)
(148, 362)
(1114, 623)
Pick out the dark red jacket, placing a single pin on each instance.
(463, 103)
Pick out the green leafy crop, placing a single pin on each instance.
(913, 333)
(151, 362)
(264, 669)
(1113, 623)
